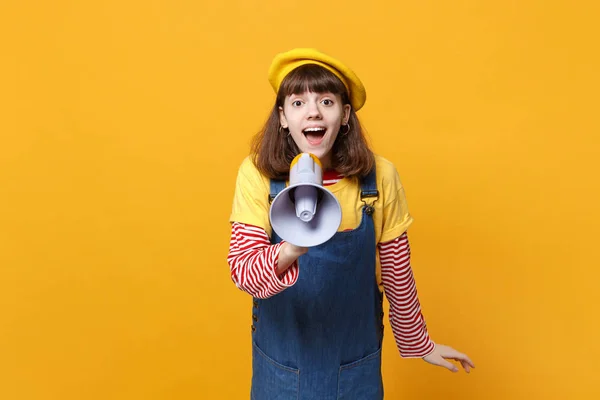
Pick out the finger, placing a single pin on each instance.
(455, 355)
(448, 365)
(466, 366)
(466, 359)
(470, 362)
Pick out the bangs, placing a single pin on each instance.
(312, 78)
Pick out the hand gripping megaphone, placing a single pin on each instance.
(305, 213)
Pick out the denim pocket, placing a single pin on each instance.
(361, 379)
(271, 380)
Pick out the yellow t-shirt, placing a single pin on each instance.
(391, 217)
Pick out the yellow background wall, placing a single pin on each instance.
(122, 125)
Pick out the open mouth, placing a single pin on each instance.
(314, 136)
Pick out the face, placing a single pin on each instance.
(314, 120)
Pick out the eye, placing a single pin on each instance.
(296, 103)
(327, 102)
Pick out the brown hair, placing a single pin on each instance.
(273, 149)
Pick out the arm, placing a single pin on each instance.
(406, 320)
(258, 267)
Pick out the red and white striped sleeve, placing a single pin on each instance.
(406, 319)
(253, 261)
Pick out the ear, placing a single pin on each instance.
(347, 108)
(282, 119)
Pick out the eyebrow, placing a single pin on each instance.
(317, 93)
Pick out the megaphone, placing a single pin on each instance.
(305, 213)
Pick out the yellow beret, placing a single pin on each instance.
(284, 63)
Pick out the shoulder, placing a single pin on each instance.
(387, 174)
(248, 170)
(250, 180)
(247, 166)
(384, 166)
(250, 202)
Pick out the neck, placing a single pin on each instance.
(326, 162)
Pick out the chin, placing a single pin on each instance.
(318, 154)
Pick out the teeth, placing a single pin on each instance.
(314, 129)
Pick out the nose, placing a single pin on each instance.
(313, 110)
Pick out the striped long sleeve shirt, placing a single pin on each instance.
(253, 261)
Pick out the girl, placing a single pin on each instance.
(317, 312)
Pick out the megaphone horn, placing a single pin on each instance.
(305, 213)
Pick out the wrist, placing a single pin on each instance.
(293, 251)
(288, 254)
